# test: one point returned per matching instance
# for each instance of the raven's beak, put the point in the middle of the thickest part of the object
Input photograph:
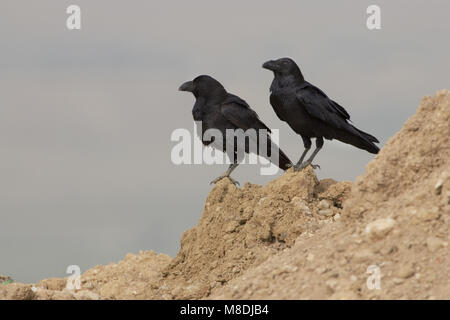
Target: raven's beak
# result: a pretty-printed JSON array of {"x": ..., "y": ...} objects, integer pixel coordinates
[
  {"x": 270, "y": 65},
  {"x": 187, "y": 86}
]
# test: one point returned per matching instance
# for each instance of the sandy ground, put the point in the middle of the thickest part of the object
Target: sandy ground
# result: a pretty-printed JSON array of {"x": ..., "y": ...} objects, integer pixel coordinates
[{"x": 384, "y": 236}]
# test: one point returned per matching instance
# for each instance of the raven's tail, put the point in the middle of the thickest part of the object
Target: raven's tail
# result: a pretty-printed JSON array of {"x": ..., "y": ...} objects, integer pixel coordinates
[
  {"x": 270, "y": 151},
  {"x": 359, "y": 139},
  {"x": 284, "y": 162},
  {"x": 367, "y": 136}
]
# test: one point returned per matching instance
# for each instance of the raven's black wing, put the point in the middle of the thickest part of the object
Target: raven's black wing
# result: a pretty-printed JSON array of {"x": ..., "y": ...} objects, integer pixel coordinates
[
  {"x": 238, "y": 112},
  {"x": 318, "y": 105}
]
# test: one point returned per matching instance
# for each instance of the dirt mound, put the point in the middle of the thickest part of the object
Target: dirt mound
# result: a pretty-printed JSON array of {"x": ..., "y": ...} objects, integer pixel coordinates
[
  {"x": 300, "y": 238},
  {"x": 241, "y": 228},
  {"x": 396, "y": 221}
]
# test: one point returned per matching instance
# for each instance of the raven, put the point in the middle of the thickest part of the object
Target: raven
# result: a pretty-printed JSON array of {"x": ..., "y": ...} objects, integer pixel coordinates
[
  {"x": 310, "y": 113},
  {"x": 218, "y": 109}
]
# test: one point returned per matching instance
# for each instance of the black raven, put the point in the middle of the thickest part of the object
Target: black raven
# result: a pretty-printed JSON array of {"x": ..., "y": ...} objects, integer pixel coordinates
[
  {"x": 218, "y": 109},
  {"x": 310, "y": 113}
]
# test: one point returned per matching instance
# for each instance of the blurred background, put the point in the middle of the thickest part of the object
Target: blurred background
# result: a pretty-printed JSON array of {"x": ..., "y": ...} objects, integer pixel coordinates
[{"x": 86, "y": 116}]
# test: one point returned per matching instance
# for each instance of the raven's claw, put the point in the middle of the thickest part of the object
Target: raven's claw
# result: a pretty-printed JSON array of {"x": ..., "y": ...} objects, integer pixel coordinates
[
  {"x": 304, "y": 165},
  {"x": 236, "y": 183}
]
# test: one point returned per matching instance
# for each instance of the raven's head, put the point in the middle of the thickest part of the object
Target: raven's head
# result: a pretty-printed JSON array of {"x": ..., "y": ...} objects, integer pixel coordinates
[
  {"x": 203, "y": 86},
  {"x": 283, "y": 66}
]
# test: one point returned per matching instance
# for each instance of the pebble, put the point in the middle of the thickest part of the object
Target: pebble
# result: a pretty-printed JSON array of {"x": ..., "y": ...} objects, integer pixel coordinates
[
  {"x": 364, "y": 255},
  {"x": 406, "y": 271},
  {"x": 332, "y": 285},
  {"x": 300, "y": 204},
  {"x": 323, "y": 204},
  {"x": 434, "y": 243},
  {"x": 440, "y": 183},
  {"x": 428, "y": 214},
  {"x": 379, "y": 229},
  {"x": 321, "y": 270},
  {"x": 326, "y": 212}
]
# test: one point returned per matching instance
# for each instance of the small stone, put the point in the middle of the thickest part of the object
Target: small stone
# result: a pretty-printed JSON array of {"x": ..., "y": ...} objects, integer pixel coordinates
[
  {"x": 305, "y": 209},
  {"x": 440, "y": 183},
  {"x": 438, "y": 187},
  {"x": 364, "y": 255},
  {"x": 332, "y": 285},
  {"x": 336, "y": 217},
  {"x": 321, "y": 270},
  {"x": 290, "y": 268},
  {"x": 300, "y": 204},
  {"x": 310, "y": 257},
  {"x": 323, "y": 204},
  {"x": 326, "y": 212},
  {"x": 378, "y": 229},
  {"x": 406, "y": 271},
  {"x": 434, "y": 243},
  {"x": 428, "y": 214}
]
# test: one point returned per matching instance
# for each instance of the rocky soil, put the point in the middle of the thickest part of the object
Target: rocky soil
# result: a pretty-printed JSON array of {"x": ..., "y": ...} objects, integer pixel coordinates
[{"x": 301, "y": 238}]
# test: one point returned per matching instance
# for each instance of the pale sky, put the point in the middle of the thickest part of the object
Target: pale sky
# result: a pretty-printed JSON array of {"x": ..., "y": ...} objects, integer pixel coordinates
[{"x": 86, "y": 115}]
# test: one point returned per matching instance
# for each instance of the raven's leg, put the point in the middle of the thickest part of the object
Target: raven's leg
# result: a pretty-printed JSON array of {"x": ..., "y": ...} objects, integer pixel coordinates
[
  {"x": 307, "y": 144},
  {"x": 226, "y": 174},
  {"x": 319, "y": 145}
]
